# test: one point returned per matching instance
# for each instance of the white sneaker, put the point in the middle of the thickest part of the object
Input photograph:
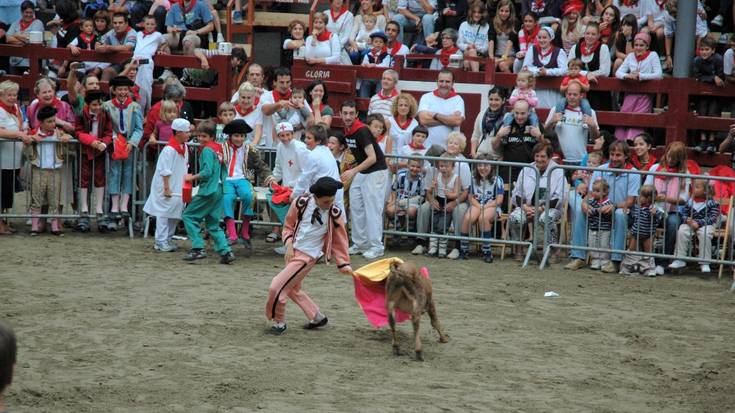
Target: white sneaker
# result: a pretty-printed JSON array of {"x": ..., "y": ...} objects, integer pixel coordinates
[
  {"x": 718, "y": 20},
  {"x": 705, "y": 268},
  {"x": 280, "y": 250},
  {"x": 675, "y": 265},
  {"x": 418, "y": 250},
  {"x": 432, "y": 251},
  {"x": 354, "y": 249},
  {"x": 659, "y": 270},
  {"x": 372, "y": 254},
  {"x": 164, "y": 247},
  {"x": 454, "y": 254}
]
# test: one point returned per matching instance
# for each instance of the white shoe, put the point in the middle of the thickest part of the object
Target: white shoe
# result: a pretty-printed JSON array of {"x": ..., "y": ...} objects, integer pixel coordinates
[
  {"x": 453, "y": 254},
  {"x": 418, "y": 250},
  {"x": 372, "y": 254},
  {"x": 166, "y": 74},
  {"x": 705, "y": 268},
  {"x": 718, "y": 20},
  {"x": 354, "y": 249},
  {"x": 675, "y": 265},
  {"x": 164, "y": 247},
  {"x": 432, "y": 251},
  {"x": 280, "y": 250},
  {"x": 659, "y": 270}
]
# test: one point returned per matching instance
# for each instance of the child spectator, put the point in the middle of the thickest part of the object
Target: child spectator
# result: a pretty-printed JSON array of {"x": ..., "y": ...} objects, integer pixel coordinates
[
  {"x": 243, "y": 165},
  {"x": 700, "y": 216},
  {"x": 147, "y": 44},
  {"x": 164, "y": 201},
  {"x": 345, "y": 160},
  {"x": 415, "y": 147},
  {"x": 599, "y": 210},
  {"x": 290, "y": 156},
  {"x": 87, "y": 40},
  {"x": 701, "y": 30},
  {"x": 162, "y": 132},
  {"x": 316, "y": 162},
  {"x": 207, "y": 203},
  {"x": 314, "y": 228},
  {"x": 46, "y": 156},
  {"x": 524, "y": 90},
  {"x": 708, "y": 68},
  {"x": 377, "y": 55},
  {"x": 247, "y": 109},
  {"x": 295, "y": 45},
  {"x": 581, "y": 177},
  {"x": 225, "y": 115},
  {"x": 574, "y": 75},
  {"x": 94, "y": 131},
  {"x": 376, "y": 123},
  {"x": 486, "y": 200},
  {"x": 445, "y": 188},
  {"x": 475, "y": 39},
  {"x": 297, "y": 113},
  {"x": 643, "y": 219},
  {"x": 407, "y": 193},
  {"x": 127, "y": 124},
  {"x": 624, "y": 40},
  {"x": 358, "y": 46}
]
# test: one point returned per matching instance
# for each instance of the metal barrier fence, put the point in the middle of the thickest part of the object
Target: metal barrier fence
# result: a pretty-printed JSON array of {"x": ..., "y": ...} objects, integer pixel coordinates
[
  {"x": 634, "y": 240},
  {"x": 431, "y": 217}
]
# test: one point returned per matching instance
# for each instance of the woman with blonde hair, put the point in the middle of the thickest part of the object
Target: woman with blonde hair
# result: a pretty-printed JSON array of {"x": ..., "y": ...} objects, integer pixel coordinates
[
  {"x": 403, "y": 119},
  {"x": 323, "y": 46},
  {"x": 505, "y": 27}
]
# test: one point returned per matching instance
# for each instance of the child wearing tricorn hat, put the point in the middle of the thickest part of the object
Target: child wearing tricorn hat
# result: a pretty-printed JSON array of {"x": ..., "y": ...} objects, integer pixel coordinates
[
  {"x": 127, "y": 123},
  {"x": 314, "y": 227},
  {"x": 46, "y": 157},
  {"x": 164, "y": 201},
  {"x": 94, "y": 131},
  {"x": 243, "y": 163}
]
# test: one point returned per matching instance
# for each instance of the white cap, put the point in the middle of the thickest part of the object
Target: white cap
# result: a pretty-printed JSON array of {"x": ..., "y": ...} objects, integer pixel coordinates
[
  {"x": 181, "y": 125},
  {"x": 284, "y": 127}
]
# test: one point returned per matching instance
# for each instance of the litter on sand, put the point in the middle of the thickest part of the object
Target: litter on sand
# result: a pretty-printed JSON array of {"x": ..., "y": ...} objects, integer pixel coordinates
[{"x": 551, "y": 294}]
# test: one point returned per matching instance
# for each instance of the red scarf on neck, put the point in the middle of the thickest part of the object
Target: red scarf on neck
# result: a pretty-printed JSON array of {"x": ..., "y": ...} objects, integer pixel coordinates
[
  {"x": 233, "y": 160},
  {"x": 642, "y": 58},
  {"x": 445, "y": 53},
  {"x": 393, "y": 93},
  {"x": 589, "y": 51},
  {"x": 277, "y": 96},
  {"x": 539, "y": 4},
  {"x": 403, "y": 125},
  {"x": 395, "y": 48},
  {"x": 355, "y": 126},
  {"x": 541, "y": 54},
  {"x": 147, "y": 33},
  {"x": 417, "y": 147},
  {"x": 122, "y": 105},
  {"x": 606, "y": 32},
  {"x": 180, "y": 148},
  {"x": 120, "y": 38},
  {"x": 380, "y": 138},
  {"x": 135, "y": 90},
  {"x": 244, "y": 112},
  {"x": 87, "y": 39},
  {"x": 637, "y": 163},
  {"x": 342, "y": 11},
  {"x": 324, "y": 36},
  {"x": 629, "y": 3},
  {"x": 13, "y": 110},
  {"x": 187, "y": 10},
  {"x": 451, "y": 94},
  {"x": 531, "y": 36},
  {"x": 377, "y": 52},
  {"x": 217, "y": 148},
  {"x": 699, "y": 198},
  {"x": 24, "y": 26}
]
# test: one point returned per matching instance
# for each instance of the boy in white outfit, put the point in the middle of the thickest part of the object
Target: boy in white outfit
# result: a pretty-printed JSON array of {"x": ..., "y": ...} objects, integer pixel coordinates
[
  {"x": 318, "y": 162},
  {"x": 148, "y": 43},
  {"x": 290, "y": 156},
  {"x": 164, "y": 201}
]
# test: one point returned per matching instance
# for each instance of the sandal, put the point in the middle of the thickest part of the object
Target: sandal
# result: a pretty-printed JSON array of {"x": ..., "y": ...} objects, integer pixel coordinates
[{"x": 272, "y": 237}]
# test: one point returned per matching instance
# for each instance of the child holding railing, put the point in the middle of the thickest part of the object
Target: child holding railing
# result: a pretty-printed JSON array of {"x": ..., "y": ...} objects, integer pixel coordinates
[
  {"x": 599, "y": 210},
  {"x": 644, "y": 217}
]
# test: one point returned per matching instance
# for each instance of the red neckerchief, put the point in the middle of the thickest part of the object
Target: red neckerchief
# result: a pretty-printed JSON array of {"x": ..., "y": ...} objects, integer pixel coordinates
[
  {"x": 217, "y": 148},
  {"x": 277, "y": 97},
  {"x": 393, "y": 93},
  {"x": 539, "y": 4},
  {"x": 146, "y": 33},
  {"x": 24, "y": 26},
  {"x": 191, "y": 6},
  {"x": 627, "y": 166},
  {"x": 602, "y": 201},
  {"x": 606, "y": 32},
  {"x": 642, "y": 58},
  {"x": 233, "y": 160},
  {"x": 699, "y": 198},
  {"x": 637, "y": 163},
  {"x": 120, "y": 39},
  {"x": 247, "y": 111},
  {"x": 541, "y": 53},
  {"x": 355, "y": 126},
  {"x": 445, "y": 53},
  {"x": 13, "y": 110},
  {"x": 531, "y": 37},
  {"x": 451, "y": 94},
  {"x": 380, "y": 138},
  {"x": 573, "y": 109},
  {"x": 124, "y": 105},
  {"x": 628, "y": 3},
  {"x": 87, "y": 40},
  {"x": 661, "y": 4},
  {"x": 136, "y": 92},
  {"x": 395, "y": 48},
  {"x": 87, "y": 113},
  {"x": 403, "y": 125},
  {"x": 66, "y": 26},
  {"x": 324, "y": 36},
  {"x": 589, "y": 51},
  {"x": 377, "y": 52},
  {"x": 417, "y": 147},
  {"x": 342, "y": 11},
  {"x": 43, "y": 134},
  {"x": 180, "y": 148}
]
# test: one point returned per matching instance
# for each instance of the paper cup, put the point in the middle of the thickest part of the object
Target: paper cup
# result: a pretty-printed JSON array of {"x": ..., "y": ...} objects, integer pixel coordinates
[
  {"x": 35, "y": 37},
  {"x": 225, "y": 48}
]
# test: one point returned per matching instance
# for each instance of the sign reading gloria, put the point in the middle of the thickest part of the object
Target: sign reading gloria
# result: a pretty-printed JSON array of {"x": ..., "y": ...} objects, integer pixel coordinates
[{"x": 317, "y": 74}]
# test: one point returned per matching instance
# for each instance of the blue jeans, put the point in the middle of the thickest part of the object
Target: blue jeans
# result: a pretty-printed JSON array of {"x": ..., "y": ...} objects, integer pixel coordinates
[
  {"x": 584, "y": 104},
  {"x": 673, "y": 221},
  {"x": 579, "y": 229},
  {"x": 508, "y": 118},
  {"x": 120, "y": 179},
  {"x": 427, "y": 25},
  {"x": 237, "y": 188}
]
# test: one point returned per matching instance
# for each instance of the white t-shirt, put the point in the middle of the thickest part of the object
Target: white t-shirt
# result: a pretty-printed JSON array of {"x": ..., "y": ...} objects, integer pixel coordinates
[
  {"x": 401, "y": 137},
  {"x": 298, "y": 53},
  {"x": 571, "y": 132},
  {"x": 252, "y": 119},
  {"x": 728, "y": 61},
  {"x": 309, "y": 238},
  {"x": 11, "y": 151},
  {"x": 433, "y": 103}
]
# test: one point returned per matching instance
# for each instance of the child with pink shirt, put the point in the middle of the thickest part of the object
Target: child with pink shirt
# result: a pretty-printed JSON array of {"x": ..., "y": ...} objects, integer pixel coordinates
[{"x": 525, "y": 83}]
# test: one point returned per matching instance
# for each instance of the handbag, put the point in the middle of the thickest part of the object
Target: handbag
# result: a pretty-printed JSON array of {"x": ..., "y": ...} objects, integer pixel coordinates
[{"x": 120, "y": 148}]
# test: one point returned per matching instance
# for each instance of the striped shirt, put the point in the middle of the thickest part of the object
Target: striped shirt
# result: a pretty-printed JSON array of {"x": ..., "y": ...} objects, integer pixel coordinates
[
  {"x": 702, "y": 212},
  {"x": 486, "y": 191},
  {"x": 643, "y": 221},
  {"x": 381, "y": 105},
  {"x": 405, "y": 187},
  {"x": 597, "y": 220}
]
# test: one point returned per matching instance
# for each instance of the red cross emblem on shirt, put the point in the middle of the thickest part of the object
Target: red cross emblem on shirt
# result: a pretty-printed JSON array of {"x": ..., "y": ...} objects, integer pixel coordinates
[
  {"x": 290, "y": 163},
  {"x": 282, "y": 128}
]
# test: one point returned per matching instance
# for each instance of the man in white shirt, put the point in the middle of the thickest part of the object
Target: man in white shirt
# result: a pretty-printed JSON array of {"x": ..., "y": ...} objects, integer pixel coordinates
[
  {"x": 382, "y": 102},
  {"x": 441, "y": 111},
  {"x": 277, "y": 99},
  {"x": 573, "y": 127}
]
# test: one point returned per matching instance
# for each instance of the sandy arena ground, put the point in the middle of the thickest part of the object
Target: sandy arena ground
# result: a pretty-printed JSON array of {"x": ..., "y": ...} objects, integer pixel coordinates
[{"x": 107, "y": 325}]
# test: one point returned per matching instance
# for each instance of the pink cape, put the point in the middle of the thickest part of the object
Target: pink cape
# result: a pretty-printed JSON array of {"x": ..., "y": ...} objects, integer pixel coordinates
[{"x": 371, "y": 298}]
